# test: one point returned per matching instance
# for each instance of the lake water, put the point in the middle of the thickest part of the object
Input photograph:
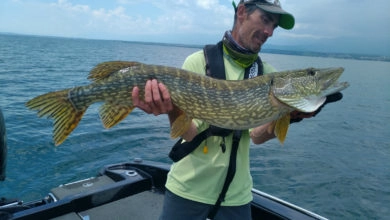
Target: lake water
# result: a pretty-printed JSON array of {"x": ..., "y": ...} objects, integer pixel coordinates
[{"x": 336, "y": 164}]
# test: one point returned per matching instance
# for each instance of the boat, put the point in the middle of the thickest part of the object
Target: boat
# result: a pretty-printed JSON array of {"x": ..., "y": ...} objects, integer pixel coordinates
[{"x": 127, "y": 190}]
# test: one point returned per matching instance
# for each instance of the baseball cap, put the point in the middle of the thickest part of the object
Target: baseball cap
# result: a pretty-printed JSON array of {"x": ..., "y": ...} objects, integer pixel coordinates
[{"x": 286, "y": 20}]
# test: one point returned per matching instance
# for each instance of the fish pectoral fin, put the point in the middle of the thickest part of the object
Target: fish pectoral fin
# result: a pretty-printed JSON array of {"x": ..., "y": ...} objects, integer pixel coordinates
[
  {"x": 105, "y": 69},
  {"x": 112, "y": 114},
  {"x": 180, "y": 125},
  {"x": 281, "y": 128}
]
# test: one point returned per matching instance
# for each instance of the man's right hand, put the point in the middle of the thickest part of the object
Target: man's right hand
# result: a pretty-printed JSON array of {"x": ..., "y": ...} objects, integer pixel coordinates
[{"x": 157, "y": 99}]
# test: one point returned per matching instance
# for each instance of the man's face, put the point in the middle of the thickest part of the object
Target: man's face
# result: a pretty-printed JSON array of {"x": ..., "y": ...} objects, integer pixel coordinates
[{"x": 253, "y": 30}]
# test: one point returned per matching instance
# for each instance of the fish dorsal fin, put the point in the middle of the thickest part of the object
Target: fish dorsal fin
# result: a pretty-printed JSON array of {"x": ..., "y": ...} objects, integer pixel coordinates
[
  {"x": 281, "y": 127},
  {"x": 105, "y": 69},
  {"x": 180, "y": 125}
]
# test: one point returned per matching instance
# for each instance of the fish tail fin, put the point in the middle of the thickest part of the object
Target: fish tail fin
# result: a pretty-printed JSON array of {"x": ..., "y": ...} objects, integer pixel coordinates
[
  {"x": 58, "y": 106},
  {"x": 112, "y": 114},
  {"x": 281, "y": 128}
]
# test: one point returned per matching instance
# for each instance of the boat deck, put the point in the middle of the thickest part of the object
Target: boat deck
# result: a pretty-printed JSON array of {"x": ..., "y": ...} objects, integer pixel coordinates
[
  {"x": 145, "y": 205},
  {"x": 132, "y": 190}
]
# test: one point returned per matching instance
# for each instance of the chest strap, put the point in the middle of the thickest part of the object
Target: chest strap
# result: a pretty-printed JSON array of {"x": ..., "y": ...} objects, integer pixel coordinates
[
  {"x": 229, "y": 176},
  {"x": 182, "y": 149}
]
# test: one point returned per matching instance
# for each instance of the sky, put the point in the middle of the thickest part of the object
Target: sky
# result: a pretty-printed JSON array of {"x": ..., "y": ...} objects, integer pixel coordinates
[{"x": 341, "y": 26}]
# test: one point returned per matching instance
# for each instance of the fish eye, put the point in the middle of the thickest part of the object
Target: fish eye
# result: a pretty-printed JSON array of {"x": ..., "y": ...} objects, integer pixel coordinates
[{"x": 311, "y": 72}]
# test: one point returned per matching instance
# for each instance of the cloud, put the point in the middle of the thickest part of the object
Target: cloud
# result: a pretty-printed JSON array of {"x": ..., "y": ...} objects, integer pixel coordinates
[
  {"x": 164, "y": 17},
  {"x": 344, "y": 18},
  {"x": 196, "y": 22},
  {"x": 64, "y": 4},
  {"x": 205, "y": 4},
  {"x": 120, "y": 18}
]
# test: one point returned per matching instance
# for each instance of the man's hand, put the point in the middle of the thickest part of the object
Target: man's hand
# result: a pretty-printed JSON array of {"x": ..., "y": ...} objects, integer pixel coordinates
[
  {"x": 263, "y": 133},
  {"x": 297, "y": 116},
  {"x": 157, "y": 99}
]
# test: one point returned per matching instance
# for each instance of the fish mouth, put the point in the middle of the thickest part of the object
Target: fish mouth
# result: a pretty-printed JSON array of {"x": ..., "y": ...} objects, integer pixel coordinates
[{"x": 329, "y": 76}]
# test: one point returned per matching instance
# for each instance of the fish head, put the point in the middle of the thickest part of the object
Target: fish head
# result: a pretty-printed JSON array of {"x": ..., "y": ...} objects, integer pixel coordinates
[{"x": 306, "y": 90}]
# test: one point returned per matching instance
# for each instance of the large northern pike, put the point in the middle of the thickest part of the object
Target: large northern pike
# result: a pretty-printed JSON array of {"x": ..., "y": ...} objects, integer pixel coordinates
[{"x": 240, "y": 104}]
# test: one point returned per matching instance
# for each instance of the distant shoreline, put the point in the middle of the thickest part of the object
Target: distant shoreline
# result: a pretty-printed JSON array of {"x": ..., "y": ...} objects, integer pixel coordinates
[
  {"x": 330, "y": 55},
  {"x": 265, "y": 50}
]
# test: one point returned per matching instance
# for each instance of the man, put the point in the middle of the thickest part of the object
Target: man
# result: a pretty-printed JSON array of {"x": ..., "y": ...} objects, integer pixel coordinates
[{"x": 195, "y": 182}]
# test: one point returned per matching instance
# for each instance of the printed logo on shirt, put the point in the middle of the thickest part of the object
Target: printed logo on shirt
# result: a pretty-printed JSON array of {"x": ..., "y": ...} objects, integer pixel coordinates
[{"x": 253, "y": 70}]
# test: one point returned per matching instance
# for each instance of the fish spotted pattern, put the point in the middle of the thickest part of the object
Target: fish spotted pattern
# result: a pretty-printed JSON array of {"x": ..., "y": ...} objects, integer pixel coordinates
[{"x": 233, "y": 104}]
